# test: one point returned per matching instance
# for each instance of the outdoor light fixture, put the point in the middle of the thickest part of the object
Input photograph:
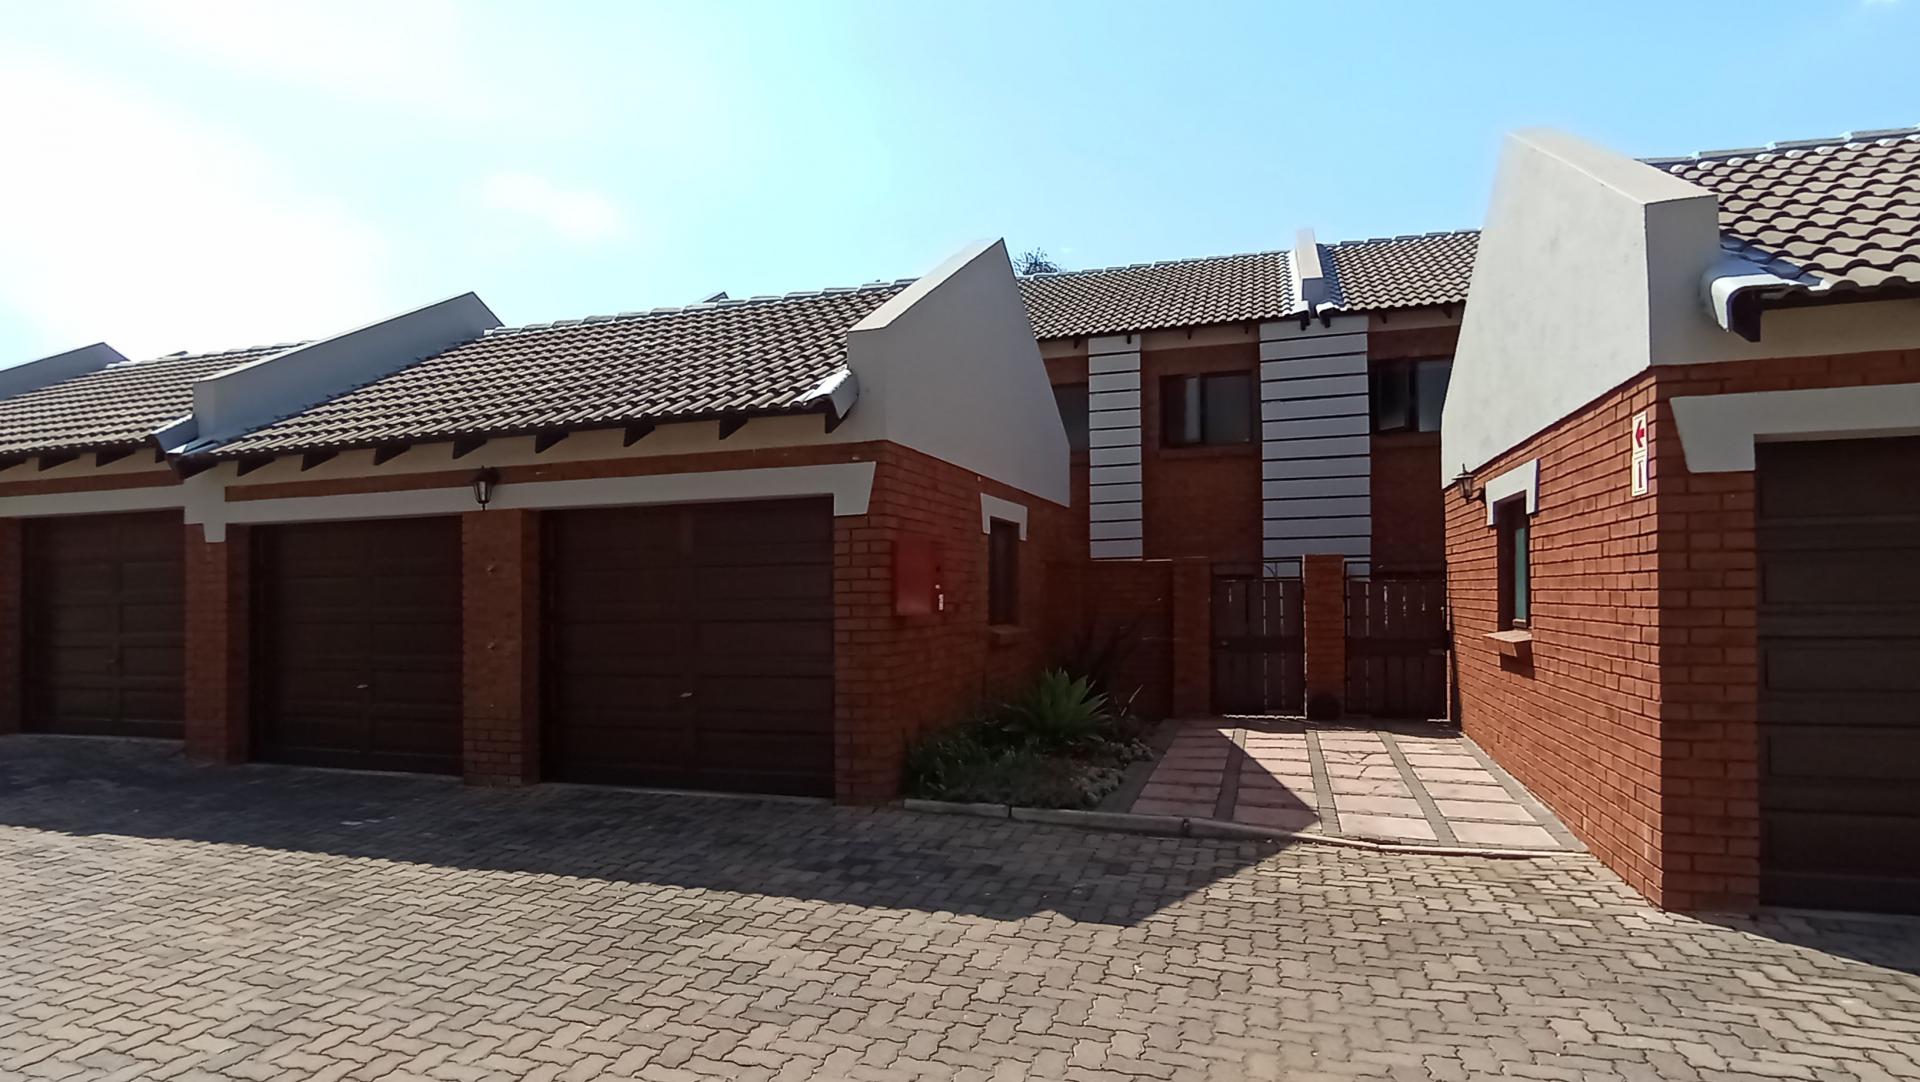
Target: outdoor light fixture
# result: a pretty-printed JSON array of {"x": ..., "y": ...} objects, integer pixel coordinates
[
  {"x": 483, "y": 483},
  {"x": 1465, "y": 480}
]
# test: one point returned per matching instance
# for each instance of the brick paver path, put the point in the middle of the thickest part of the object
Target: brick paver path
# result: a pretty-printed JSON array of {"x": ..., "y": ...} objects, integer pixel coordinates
[
  {"x": 1412, "y": 783},
  {"x": 160, "y": 921}
]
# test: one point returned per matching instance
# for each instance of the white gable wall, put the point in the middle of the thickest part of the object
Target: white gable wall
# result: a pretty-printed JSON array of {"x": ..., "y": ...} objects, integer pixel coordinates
[
  {"x": 949, "y": 367},
  {"x": 1561, "y": 306},
  {"x": 1590, "y": 269}
]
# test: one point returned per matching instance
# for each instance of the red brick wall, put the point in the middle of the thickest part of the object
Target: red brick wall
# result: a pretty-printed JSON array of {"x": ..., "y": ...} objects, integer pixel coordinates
[
  {"x": 500, "y": 670},
  {"x": 1578, "y": 722},
  {"x": 899, "y": 677},
  {"x": 1198, "y": 501},
  {"x": 1636, "y": 716},
  {"x": 1072, "y": 368},
  {"x": 1409, "y": 516},
  {"x": 1409, "y": 511},
  {"x": 1132, "y": 600},
  {"x": 218, "y": 646}
]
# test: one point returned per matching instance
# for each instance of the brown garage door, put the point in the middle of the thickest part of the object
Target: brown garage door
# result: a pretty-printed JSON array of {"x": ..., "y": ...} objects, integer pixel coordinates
[
  {"x": 692, "y": 647},
  {"x": 1840, "y": 674},
  {"x": 357, "y": 644},
  {"x": 105, "y": 625}
]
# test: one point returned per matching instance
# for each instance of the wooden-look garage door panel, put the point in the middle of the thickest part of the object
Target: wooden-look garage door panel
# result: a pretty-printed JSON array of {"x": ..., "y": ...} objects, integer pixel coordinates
[
  {"x": 105, "y": 624},
  {"x": 1839, "y": 623},
  {"x": 358, "y": 644},
  {"x": 692, "y": 646}
]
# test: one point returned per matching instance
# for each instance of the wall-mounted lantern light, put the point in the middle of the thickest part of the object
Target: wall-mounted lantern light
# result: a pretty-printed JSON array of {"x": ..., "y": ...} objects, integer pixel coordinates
[
  {"x": 483, "y": 483},
  {"x": 1465, "y": 480}
]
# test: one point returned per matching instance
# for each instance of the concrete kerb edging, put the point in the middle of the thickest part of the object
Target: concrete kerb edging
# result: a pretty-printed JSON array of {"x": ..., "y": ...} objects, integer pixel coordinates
[{"x": 1194, "y": 827}]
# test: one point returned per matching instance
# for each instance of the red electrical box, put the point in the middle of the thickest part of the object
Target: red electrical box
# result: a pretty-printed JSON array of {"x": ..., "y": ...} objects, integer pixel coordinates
[{"x": 916, "y": 577}]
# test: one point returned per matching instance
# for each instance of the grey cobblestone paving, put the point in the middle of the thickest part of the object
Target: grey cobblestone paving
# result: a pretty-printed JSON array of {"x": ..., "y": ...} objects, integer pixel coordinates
[{"x": 164, "y": 921}]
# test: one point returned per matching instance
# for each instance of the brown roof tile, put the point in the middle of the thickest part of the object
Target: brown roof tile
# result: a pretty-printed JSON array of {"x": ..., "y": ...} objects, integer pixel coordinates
[
  {"x": 1401, "y": 272},
  {"x": 1844, "y": 211},
  {"x": 748, "y": 356},
  {"x": 118, "y": 406},
  {"x": 1151, "y": 296}
]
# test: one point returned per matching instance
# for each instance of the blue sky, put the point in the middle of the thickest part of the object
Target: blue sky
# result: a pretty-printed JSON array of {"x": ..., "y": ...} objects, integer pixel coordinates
[{"x": 200, "y": 175}]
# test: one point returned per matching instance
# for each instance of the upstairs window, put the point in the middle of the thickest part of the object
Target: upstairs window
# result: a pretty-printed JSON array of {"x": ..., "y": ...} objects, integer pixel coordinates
[
  {"x": 1515, "y": 561},
  {"x": 1408, "y": 395},
  {"x": 1003, "y": 573},
  {"x": 1206, "y": 411},
  {"x": 1071, "y": 398}
]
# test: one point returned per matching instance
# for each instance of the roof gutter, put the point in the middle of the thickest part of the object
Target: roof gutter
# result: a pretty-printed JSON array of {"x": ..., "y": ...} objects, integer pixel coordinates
[{"x": 1737, "y": 291}]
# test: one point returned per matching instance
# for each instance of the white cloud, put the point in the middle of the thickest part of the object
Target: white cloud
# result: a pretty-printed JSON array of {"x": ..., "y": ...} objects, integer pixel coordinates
[
  {"x": 411, "y": 53},
  {"x": 125, "y": 221},
  {"x": 577, "y": 214}
]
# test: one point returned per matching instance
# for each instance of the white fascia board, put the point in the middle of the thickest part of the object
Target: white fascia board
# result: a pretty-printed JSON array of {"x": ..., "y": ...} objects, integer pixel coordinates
[
  {"x": 849, "y": 484},
  {"x": 47, "y": 371},
  {"x": 1717, "y": 432},
  {"x": 1522, "y": 480},
  {"x": 247, "y": 396},
  {"x": 101, "y": 502},
  {"x": 993, "y": 507}
]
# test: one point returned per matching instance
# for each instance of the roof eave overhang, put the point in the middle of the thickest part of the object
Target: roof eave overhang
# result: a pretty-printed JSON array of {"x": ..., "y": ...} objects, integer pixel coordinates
[{"x": 833, "y": 398}]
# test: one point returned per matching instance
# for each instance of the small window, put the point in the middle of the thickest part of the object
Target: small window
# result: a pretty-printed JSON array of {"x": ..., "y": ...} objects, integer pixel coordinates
[
  {"x": 1003, "y": 573},
  {"x": 1072, "y": 400},
  {"x": 1212, "y": 410},
  {"x": 1513, "y": 529},
  {"x": 1408, "y": 395}
]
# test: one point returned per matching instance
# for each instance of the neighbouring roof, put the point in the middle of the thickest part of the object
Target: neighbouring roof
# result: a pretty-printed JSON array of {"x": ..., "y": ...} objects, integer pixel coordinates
[
  {"x": 1152, "y": 296},
  {"x": 117, "y": 406},
  {"x": 759, "y": 355},
  {"x": 1363, "y": 275},
  {"x": 1400, "y": 272},
  {"x": 1841, "y": 212}
]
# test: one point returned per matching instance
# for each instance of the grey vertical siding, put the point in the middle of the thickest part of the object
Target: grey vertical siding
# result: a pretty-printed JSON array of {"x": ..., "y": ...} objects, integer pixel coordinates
[
  {"x": 1113, "y": 448},
  {"x": 1315, "y": 439}
]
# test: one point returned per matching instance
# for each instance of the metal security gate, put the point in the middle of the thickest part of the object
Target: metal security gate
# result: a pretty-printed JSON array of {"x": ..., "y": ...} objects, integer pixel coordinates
[
  {"x": 1259, "y": 651},
  {"x": 1397, "y": 648}
]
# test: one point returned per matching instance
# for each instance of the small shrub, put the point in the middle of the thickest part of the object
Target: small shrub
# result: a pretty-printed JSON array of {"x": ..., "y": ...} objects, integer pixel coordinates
[
  {"x": 969, "y": 763},
  {"x": 1060, "y": 713}
]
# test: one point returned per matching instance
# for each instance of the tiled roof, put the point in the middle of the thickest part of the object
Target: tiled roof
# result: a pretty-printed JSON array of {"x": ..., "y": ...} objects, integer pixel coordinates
[
  {"x": 1843, "y": 211},
  {"x": 757, "y": 355},
  {"x": 1150, "y": 296},
  {"x": 1400, "y": 272},
  {"x": 118, "y": 406}
]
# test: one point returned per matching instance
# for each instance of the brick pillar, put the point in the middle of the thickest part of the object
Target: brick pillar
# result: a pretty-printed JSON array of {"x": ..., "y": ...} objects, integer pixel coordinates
[
  {"x": 500, "y": 666},
  {"x": 1324, "y": 589},
  {"x": 1192, "y": 637},
  {"x": 218, "y": 646},
  {"x": 12, "y": 625}
]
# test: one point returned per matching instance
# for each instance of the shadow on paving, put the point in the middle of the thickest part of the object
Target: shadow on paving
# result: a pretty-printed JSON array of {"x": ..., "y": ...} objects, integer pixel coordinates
[
  {"x": 863, "y": 857},
  {"x": 1890, "y": 942}
]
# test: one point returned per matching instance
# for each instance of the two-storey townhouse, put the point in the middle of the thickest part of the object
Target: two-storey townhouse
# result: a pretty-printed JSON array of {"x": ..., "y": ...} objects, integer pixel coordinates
[{"x": 1235, "y": 419}]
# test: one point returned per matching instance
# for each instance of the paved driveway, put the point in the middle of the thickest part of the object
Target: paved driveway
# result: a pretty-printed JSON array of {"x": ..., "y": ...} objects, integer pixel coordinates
[
  {"x": 1407, "y": 783},
  {"x": 162, "y": 921}
]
